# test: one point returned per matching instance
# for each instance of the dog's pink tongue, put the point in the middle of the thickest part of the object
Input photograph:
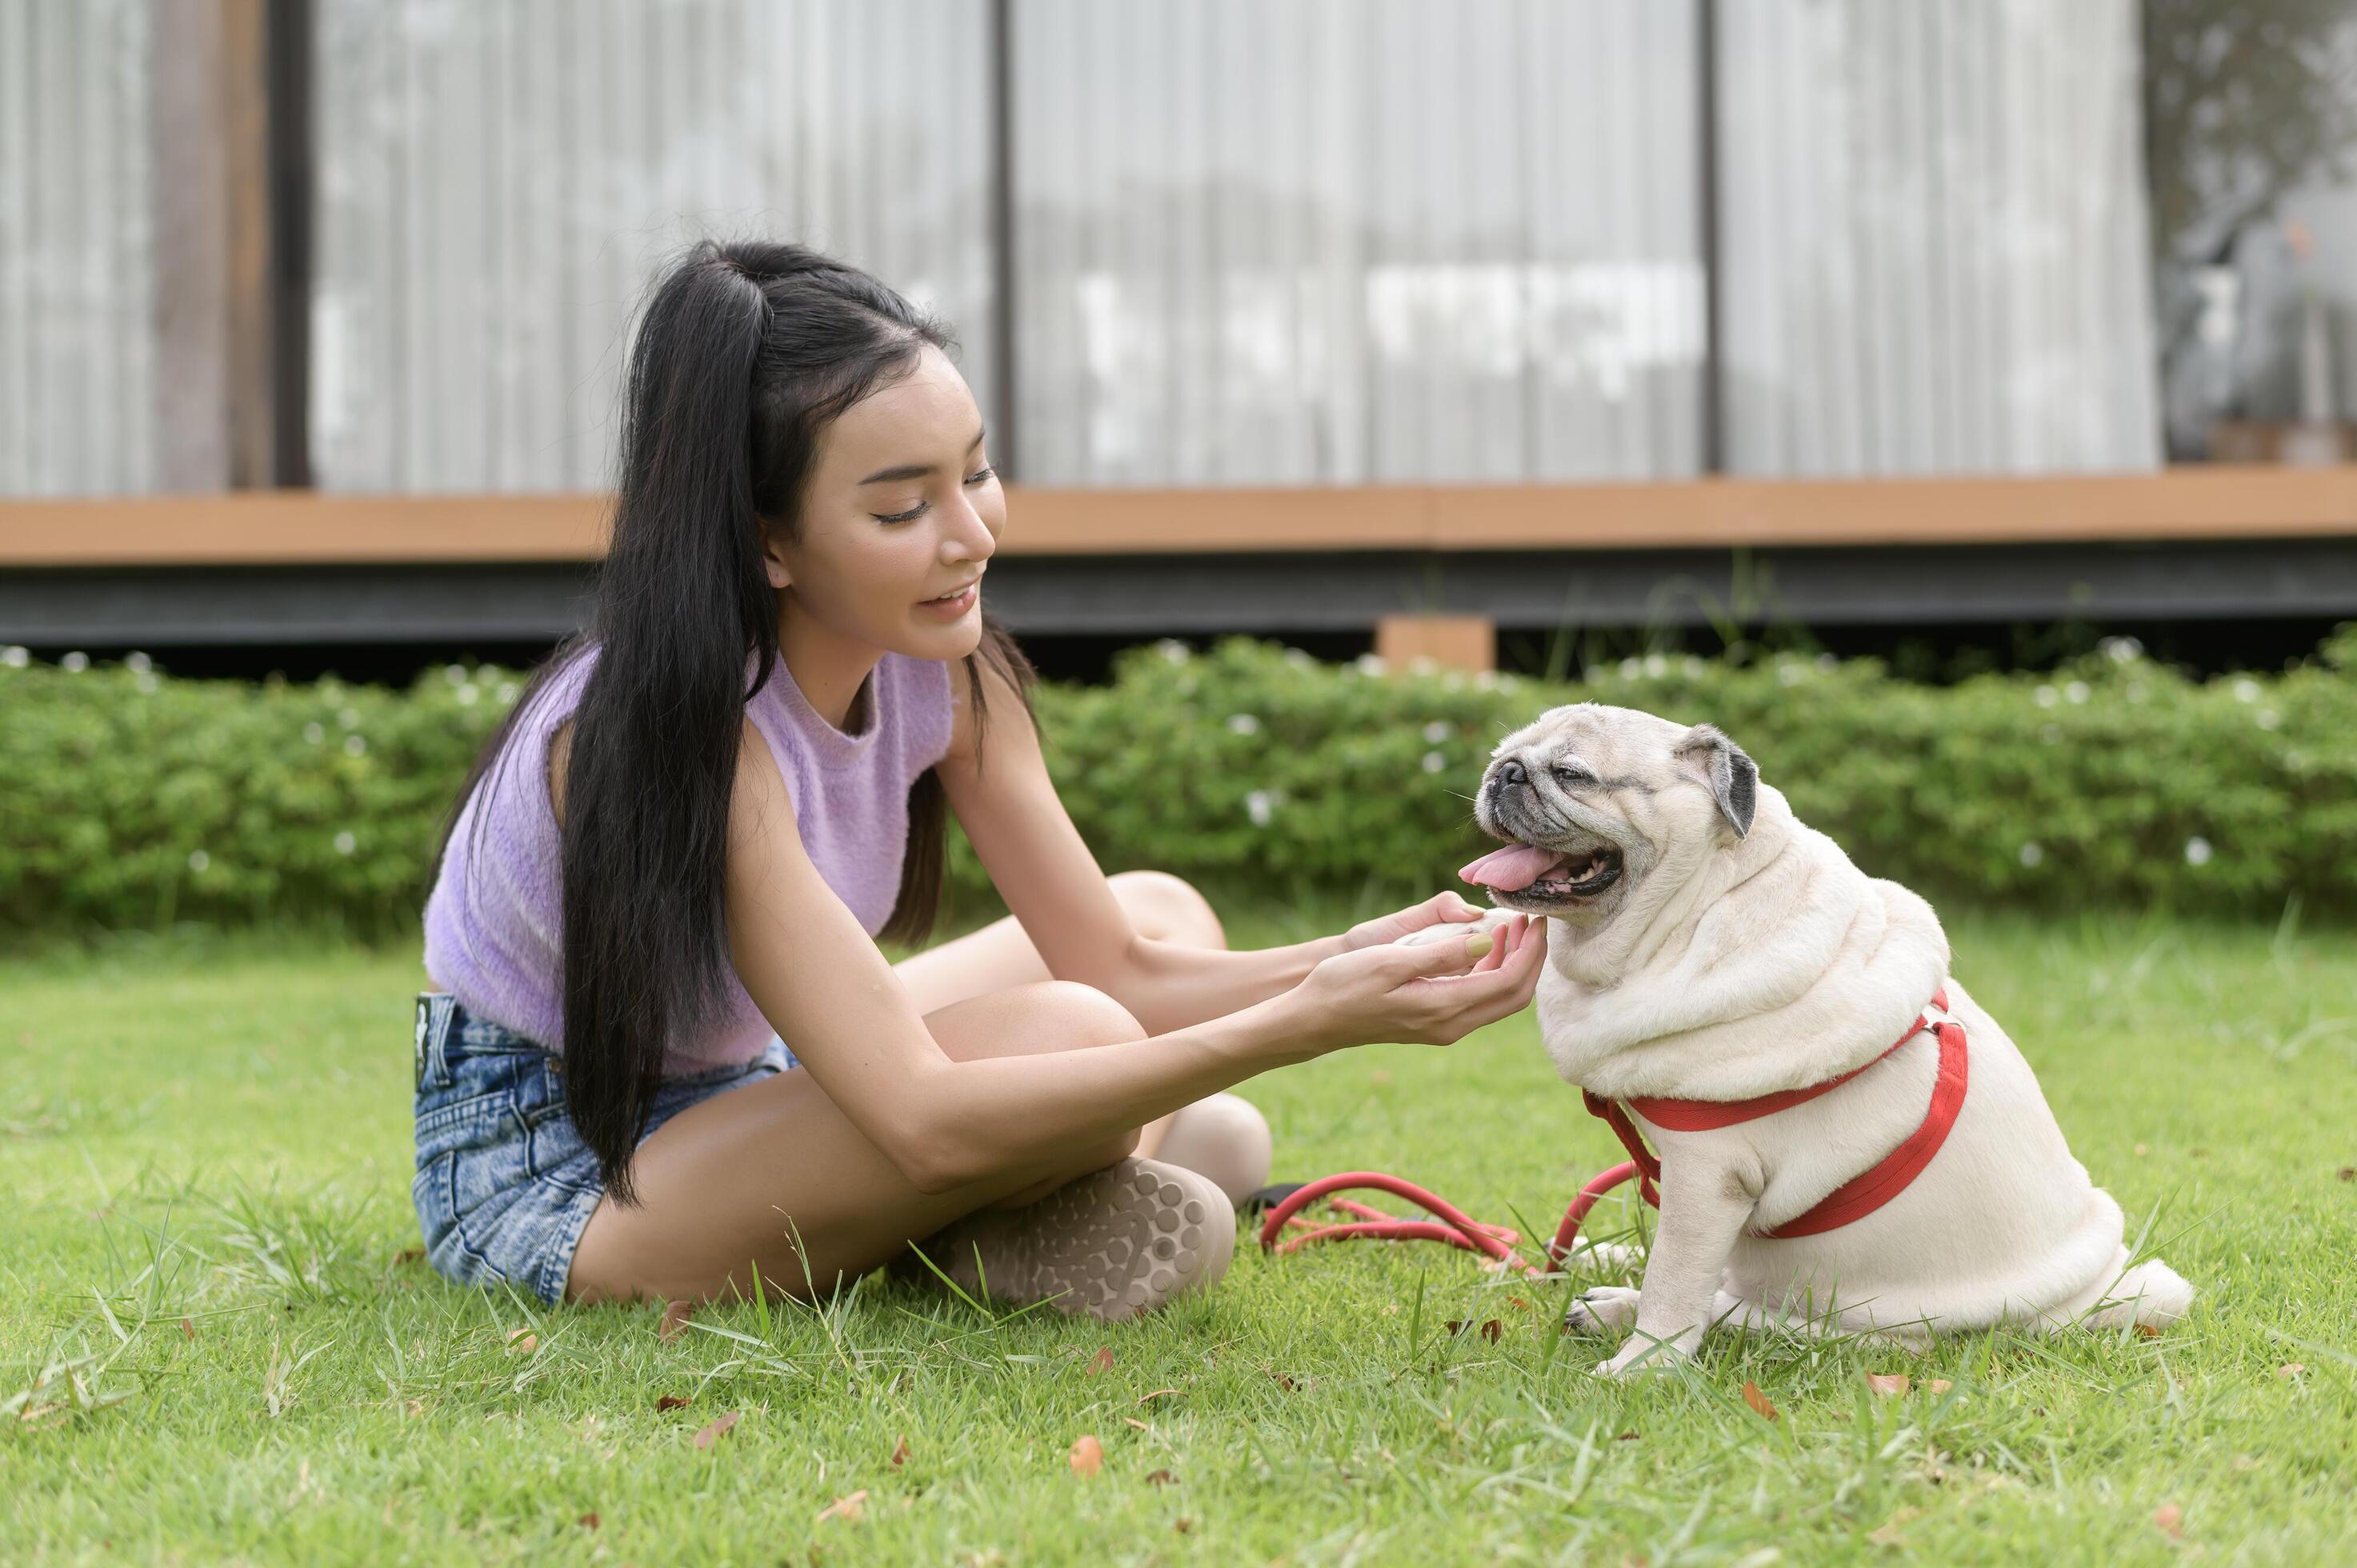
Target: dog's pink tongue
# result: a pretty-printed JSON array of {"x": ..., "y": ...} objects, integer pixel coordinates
[{"x": 1512, "y": 868}]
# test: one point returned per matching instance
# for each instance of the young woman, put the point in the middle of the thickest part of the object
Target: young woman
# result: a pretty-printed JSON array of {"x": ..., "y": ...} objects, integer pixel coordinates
[{"x": 664, "y": 1050}]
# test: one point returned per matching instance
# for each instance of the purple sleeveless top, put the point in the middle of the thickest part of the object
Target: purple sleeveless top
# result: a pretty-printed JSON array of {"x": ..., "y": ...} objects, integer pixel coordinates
[{"x": 494, "y": 922}]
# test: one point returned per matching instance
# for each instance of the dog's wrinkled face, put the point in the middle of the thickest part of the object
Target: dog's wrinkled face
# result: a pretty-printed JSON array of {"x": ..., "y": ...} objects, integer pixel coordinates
[{"x": 1595, "y": 802}]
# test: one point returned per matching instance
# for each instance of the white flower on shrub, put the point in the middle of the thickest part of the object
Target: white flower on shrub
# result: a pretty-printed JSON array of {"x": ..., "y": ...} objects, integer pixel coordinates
[
  {"x": 468, "y": 695},
  {"x": 1369, "y": 664},
  {"x": 1827, "y": 662},
  {"x": 1695, "y": 668},
  {"x": 1436, "y": 732},
  {"x": 2197, "y": 850},
  {"x": 2247, "y": 690},
  {"x": 145, "y": 682},
  {"x": 354, "y": 746},
  {"x": 1244, "y": 724},
  {"x": 2046, "y": 696},
  {"x": 1422, "y": 664},
  {"x": 74, "y": 663},
  {"x": 1792, "y": 674},
  {"x": 1299, "y": 658},
  {"x": 2031, "y": 853},
  {"x": 16, "y": 658},
  {"x": 455, "y": 673},
  {"x": 2122, "y": 649},
  {"x": 1631, "y": 668},
  {"x": 199, "y": 860},
  {"x": 313, "y": 734},
  {"x": 1508, "y": 682},
  {"x": 350, "y": 718},
  {"x": 1171, "y": 649},
  {"x": 1656, "y": 666},
  {"x": 2076, "y": 691},
  {"x": 2268, "y": 718},
  {"x": 507, "y": 692},
  {"x": 1454, "y": 681},
  {"x": 1485, "y": 680},
  {"x": 137, "y": 662},
  {"x": 346, "y": 843},
  {"x": 1433, "y": 762},
  {"x": 1258, "y": 807}
]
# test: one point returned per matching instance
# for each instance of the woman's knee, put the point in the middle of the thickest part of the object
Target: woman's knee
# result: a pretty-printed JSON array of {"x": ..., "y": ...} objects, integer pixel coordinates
[
  {"x": 1043, "y": 1016},
  {"x": 1169, "y": 908}
]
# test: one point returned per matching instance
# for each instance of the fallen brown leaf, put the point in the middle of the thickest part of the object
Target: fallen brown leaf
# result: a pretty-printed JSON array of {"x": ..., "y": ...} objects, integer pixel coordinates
[
  {"x": 851, "y": 1510},
  {"x": 410, "y": 1255},
  {"x": 673, "y": 1401},
  {"x": 1380, "y": 1077},
  {"x": 589, "y": 1520},
  {"x": 1890, "y": 1385},
  {"x": 1491, "y": 1328},
  {"x": 1518, "y": 1303},
  {"x": 675, "y": 1319},
  {"x": 523, "y": 1342},
  {"x": 1759, "y": 1401},
  {"x": 1938, "y": 1385},
  {"x": 1183, "y": 1525},
  {"x": 718, "y": 1429},
  {"x": 2147, "y": 1331},
  {"x": 187, "y": 1329},
  {"x": 2348, "y": 1172},
  {"x": 1087, "y": 1457},
  {"x": 1102, "y": 1362},
  {"x": 2291, "y": 1370},
  {"x": 1626, "y": 1437},
  {"x": 1283, "y": 1382},
  {"x": 2141, "y": 1151},
  {"x": 1133, "y": 1421},
  {"x": 2170, "y": 1518},
  {"x": 1159, "y": 1478},
  {"x": 1159, "y": 1394},
  {"x": 899, "y": 1452}
]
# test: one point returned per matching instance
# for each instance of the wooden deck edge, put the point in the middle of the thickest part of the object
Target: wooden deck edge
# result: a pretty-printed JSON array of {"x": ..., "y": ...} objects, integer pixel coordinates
[{"x": 320, "y": 527}]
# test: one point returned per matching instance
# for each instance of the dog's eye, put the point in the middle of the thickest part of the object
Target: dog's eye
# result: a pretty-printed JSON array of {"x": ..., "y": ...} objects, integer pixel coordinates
[{"x": 1570, "y": 773}]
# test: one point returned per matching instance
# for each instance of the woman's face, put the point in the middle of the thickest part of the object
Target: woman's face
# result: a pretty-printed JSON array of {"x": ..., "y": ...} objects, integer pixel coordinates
[{"x": 902, "y": 511}]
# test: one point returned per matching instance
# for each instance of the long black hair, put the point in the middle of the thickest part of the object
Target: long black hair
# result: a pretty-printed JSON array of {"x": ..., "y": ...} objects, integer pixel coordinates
[{"x": 744, "y": 352}]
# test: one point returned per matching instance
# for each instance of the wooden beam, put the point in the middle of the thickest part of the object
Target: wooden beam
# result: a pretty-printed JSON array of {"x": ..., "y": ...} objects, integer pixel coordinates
[
  {"x": 304, "y": 527},
  {"x": 1455, "y": 642},
  {"x": 219, "y": 299}
]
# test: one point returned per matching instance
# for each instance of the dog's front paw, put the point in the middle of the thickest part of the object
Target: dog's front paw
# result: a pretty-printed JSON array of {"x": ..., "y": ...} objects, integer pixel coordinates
[
  {"x": 1641, "y": 1355},
  {"x": 1604, "y": 1309}
]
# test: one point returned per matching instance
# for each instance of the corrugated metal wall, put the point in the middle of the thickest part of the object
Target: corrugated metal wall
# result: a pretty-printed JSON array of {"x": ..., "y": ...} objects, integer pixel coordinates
[
  {"x": 1342, "y": 240},
  {"x": 1934, "y": 253},
  {"x": 77, "y": 276},
  {"x": 497, "y": 180},
  {"x": 1258, "y": 240}
]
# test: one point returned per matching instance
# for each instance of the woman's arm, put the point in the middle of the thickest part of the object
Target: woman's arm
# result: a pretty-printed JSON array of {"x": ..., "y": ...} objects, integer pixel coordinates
[
  {"x": 826, "y": 988},
  {"x": 1008, "y": 805}
]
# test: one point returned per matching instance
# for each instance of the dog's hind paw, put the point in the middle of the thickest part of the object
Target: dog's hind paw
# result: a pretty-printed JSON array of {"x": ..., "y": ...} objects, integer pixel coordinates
[{"x": 1604, "y": 1309}]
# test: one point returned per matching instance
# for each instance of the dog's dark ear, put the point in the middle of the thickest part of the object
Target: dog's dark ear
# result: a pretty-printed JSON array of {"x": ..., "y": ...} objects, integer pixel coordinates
[{"x": 1733, "y": 777}]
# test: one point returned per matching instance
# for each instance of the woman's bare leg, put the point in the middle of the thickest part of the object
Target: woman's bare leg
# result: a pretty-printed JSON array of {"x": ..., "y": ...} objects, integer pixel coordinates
[
  {"x": 730, "y": 1182},
  {"x": 1159, "y": 905}
]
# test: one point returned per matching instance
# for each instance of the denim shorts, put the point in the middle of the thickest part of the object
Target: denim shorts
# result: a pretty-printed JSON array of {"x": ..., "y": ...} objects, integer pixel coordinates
[{"x": 504, "y": 1185}]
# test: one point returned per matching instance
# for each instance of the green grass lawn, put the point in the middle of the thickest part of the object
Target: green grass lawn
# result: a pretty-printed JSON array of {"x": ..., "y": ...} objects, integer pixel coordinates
[{"x": 206, "y": 1148}]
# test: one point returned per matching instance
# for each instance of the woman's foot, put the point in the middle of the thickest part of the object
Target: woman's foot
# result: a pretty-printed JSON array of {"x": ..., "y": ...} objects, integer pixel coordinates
[
  {"x": 1223, "y": 1136},
  {"x": 1114, "y": 1245}
]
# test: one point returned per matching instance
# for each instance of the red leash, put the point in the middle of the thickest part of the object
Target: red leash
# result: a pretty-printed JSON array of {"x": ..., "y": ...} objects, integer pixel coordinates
[{"x": 1853, "y": 1200}]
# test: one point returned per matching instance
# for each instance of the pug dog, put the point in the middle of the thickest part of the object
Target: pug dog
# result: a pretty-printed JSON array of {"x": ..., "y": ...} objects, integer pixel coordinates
[{"x": 1706, "y": 945}]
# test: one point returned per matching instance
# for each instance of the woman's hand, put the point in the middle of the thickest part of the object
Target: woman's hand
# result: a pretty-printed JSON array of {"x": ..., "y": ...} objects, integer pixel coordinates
[
  {"x": 1441, "y": 908},
  {"x": 1433, "y": 994}
]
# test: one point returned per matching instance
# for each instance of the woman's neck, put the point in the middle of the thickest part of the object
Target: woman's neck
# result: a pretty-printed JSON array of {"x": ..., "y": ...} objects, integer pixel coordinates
[{"x": 827, "y": 669}]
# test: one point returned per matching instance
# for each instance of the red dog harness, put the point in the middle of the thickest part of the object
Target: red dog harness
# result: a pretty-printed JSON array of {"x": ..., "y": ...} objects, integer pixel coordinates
[{"x": 1853, "y": 1200}]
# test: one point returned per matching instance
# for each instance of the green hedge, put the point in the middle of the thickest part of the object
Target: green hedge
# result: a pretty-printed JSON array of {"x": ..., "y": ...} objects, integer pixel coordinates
[{"x": 132, "y": 800}]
